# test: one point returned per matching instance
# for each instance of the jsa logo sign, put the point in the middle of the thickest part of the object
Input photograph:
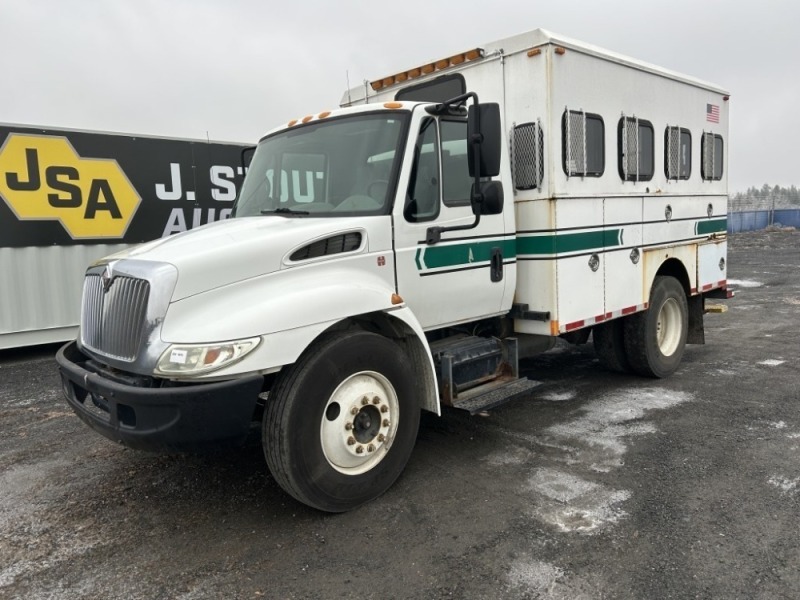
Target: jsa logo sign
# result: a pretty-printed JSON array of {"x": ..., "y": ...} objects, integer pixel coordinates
[{"x": 43, "y": 178}]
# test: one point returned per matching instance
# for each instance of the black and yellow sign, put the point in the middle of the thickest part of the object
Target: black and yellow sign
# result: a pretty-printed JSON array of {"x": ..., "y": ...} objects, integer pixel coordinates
[{"x": 73, "y": 187}]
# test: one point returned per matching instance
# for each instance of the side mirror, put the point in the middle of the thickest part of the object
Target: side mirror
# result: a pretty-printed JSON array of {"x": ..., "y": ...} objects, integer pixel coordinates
[
  {"x": 487, "y": 198},
  {"x": 483, "y": 129}
]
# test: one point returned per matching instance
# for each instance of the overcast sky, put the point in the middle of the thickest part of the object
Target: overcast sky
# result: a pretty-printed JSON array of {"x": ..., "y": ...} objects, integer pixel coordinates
[{"x": 236, "y": 68}]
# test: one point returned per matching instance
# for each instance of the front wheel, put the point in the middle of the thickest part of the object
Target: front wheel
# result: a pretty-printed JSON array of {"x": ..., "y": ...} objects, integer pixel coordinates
[
  {"x": 656, "y": 338},
  {"x": 340, "y": 424}
]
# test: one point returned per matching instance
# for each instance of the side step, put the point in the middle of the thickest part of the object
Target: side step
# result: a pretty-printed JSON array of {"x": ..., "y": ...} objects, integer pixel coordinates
[{"x": 493, "y": 394}]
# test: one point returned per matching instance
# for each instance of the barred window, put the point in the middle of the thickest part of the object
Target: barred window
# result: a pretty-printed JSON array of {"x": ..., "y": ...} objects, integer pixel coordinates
[
  {"x": 527, "y": 155},
  {"x": 711, "y": 152},
  {"x": 636, "y": 149},
  {"x": 677, "y": 153},
  {"x": 583, "y": 144}
]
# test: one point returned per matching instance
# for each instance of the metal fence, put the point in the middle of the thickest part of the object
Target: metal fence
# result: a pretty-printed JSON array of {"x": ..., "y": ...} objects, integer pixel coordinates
[{"x": 752, "y": 220}]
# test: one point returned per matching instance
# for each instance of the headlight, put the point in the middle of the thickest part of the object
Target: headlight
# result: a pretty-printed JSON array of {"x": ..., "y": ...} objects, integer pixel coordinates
[{"x": 193, "y": 359}]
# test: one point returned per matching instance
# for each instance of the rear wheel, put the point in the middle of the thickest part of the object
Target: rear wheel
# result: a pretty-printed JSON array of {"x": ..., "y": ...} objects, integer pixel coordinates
[
  {"x": 609, "y": 345},
  {"x": 340, "y": 424},
  {"x": 656, "y": 338}
]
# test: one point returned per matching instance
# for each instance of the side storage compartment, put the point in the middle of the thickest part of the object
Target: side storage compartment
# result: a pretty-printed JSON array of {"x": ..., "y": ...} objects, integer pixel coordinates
[{"x": 712, "y": 265}]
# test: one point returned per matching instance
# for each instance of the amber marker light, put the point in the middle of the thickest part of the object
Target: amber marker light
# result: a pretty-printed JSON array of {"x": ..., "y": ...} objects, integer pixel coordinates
[
  {"x": 534, "y": 52},
  {"x": 392, "y": 105},
  {"x": 307, "y": 118},
  {"x": 322, "y": 115},
  {"x": 438, "y": 65},
  {"x": 397, "y": 299},
  {"x": 553, "y": 327},
  {"x": 292, "y": 123},
  {"x": 560, "y": 50}
]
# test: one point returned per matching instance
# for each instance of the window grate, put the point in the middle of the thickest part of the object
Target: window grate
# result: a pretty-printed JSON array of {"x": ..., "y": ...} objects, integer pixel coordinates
[
  {"x": 527, "y": 155},
  {"x": 630, "y": 148},
  {"x": 673, "y": 153},
  {"x": 576, "y": 143}
]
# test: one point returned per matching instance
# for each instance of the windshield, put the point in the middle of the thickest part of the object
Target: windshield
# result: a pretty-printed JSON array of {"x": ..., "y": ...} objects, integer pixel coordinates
[{"x": 341, "y": 167}]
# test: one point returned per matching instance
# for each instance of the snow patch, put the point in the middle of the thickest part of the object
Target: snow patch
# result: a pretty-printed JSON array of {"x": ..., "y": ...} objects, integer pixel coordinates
[
  {"x": 574, "y": 504},
  {"x": 608, "y": 421},
  {"x": 778, "y": 425},
  {"x": 771, "y": 362},
  {"x": 784, "y": 483},
  {"x": 533, "y": 576},
  {"x": 559, "y": 396},
  {"x": 745, "y": 283},
  {"x": 512, "y": 456}
]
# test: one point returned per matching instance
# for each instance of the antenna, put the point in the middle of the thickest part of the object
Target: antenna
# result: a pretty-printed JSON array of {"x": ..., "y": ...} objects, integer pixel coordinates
[
  {"x": 347, "y": 76},
  {"x": 208, "y": 140}
]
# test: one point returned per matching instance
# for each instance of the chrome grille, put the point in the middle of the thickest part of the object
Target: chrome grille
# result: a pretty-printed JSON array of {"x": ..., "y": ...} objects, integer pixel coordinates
[{"x": 113, "y": 321}]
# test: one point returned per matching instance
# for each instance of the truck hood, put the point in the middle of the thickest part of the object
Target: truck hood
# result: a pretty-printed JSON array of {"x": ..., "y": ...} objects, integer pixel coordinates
[{"x": 225, "y": 252}]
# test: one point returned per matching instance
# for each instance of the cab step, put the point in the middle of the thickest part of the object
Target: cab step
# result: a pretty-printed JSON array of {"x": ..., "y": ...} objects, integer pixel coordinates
[
  {"x": 492, "y": 394},
  {"x": 478, "y": 373}
]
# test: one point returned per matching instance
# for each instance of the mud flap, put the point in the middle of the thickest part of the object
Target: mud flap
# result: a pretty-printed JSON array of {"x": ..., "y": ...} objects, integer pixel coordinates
[{"x": 696, "y": 333}]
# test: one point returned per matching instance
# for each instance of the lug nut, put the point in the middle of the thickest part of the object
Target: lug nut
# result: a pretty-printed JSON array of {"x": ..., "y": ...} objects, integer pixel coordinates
[
  {"x": 384, "y": 408},
  {"x": 364, "y": 401},
  {"x": 376, "y": 400},
  {"x": 348, "y": 426},
  {"x": 386, "y": 422},
  {"x": 354, "y": 410},
  {"x": 351, "y": 440},
  {"x": 360, "y": 450},
  {"x": 371, "y": 448},
  {"x": 381, "y": 437}
]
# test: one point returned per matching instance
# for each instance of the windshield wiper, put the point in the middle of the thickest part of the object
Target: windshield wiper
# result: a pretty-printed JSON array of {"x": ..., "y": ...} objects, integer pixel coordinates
[{"x": 283, "y": 211}]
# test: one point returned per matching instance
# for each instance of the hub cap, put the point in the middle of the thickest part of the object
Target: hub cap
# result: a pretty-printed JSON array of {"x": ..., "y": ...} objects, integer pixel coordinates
[
  {"x": 668, "y": 327},
  {"x": 359, "y": 423}
]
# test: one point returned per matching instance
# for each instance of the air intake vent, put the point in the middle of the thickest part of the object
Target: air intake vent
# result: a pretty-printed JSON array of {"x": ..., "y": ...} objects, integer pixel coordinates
[{"x": 333, "y": 245}]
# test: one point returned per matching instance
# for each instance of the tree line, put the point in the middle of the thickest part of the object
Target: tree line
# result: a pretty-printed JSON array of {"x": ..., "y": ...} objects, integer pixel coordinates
[{"x": 765, "y": 197}]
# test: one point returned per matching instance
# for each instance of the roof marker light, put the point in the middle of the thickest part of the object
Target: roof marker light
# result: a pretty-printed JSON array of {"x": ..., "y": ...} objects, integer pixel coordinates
[
  {"x": 307, "y": 118},
  {"x": 322, "y": 115},
  {"x": 560, "y": 50},
  {"x": 292, "y": 123},
  {"x": 425, "y": 69},
  {"x": 392, "y": 105},
  {"x": 534, "y": 52}
]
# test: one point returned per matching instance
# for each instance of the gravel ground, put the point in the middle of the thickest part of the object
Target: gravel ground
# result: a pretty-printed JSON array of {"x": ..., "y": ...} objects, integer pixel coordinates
[{"x": 595, "y": 486}]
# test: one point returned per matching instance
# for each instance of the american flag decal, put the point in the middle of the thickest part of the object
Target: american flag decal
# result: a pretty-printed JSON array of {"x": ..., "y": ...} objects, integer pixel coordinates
[{"x": 712, "y": 113}]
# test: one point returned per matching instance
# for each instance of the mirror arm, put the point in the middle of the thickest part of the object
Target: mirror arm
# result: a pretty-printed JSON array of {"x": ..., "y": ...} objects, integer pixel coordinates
[{"x": 434, "y": 234}]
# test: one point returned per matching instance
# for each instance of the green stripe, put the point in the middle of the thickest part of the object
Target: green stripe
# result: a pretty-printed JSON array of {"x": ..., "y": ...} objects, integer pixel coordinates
[
  {"x": 435, "y": 257},
  {"x": 569, "y": 242},
  {"x": 712, "y": 226}
]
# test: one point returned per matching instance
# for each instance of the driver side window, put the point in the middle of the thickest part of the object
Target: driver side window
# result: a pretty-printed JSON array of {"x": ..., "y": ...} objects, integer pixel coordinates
[{"x": 422, "y": 197}]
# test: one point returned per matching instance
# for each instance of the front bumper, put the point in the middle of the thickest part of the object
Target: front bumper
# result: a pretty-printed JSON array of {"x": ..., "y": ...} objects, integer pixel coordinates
[{"x": 179, "y": 418}]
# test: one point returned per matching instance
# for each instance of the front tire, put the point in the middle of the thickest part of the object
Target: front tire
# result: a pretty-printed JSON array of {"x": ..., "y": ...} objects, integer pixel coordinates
[
  {"x": 340, "y": 424},
  {"x": 656, "y": 338}
]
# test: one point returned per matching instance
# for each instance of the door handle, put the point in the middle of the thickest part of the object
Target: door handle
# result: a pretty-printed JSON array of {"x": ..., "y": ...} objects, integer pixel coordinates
[{"x": 497, "y": 264}]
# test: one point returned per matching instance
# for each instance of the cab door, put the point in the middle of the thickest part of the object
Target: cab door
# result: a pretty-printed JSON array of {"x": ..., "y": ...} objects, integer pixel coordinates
[{"x": 466, "y": 275}]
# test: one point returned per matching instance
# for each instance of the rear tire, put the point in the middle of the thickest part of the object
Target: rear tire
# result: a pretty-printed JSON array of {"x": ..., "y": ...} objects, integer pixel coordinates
[
  {"x": 340, "y": 424},
  {"x": 609, "y": 345},
  {"x": 656, "y": 338}
]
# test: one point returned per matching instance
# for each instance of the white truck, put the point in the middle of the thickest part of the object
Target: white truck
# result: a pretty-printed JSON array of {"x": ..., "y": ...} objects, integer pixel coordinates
[{"x": 403, "y": 252}]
